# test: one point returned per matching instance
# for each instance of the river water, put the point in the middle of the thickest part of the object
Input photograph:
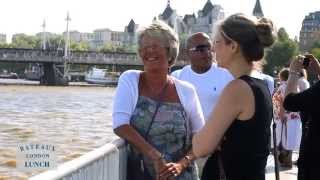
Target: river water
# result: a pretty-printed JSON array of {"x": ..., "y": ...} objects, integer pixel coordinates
[{"x": 74, "y": 119}]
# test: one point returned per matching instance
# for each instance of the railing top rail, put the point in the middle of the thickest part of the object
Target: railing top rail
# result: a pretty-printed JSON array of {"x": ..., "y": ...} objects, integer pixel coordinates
[{"x": 69, "y": 167}]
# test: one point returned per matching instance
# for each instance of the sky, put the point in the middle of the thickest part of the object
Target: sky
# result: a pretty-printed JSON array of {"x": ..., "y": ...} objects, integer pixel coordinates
[{"x": 27, "y": 16}]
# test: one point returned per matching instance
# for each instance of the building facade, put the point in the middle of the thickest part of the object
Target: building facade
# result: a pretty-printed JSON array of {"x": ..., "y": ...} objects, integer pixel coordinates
[
  {"x": 101, "y": 37},
  {"x": 131, "y": 33},
  {"x": 257, "y": 10},
  {"x": 190, "y": 23},
  {"x": 310, "y": 31}
]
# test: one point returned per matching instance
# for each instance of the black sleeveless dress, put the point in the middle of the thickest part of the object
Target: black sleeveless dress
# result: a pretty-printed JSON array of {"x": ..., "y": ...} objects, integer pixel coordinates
[{"x": 246, "y": 145}]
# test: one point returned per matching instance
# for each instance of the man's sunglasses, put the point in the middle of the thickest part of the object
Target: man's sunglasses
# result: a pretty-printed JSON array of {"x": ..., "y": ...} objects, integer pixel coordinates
[{"x": 200, "y": 48}]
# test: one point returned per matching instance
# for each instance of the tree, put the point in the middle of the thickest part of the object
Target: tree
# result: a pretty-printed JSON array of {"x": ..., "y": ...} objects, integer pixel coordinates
[
  {"x": 108, "y": 47},
  {"x": 126, "y": 48},
  {"x": 316, "y": 44},
  {"x": 79, "y": 46},
  {"x": 280, "y": 53},
  {"x": 130, "y": 48},
  {"x": 282, "y": 35},
  {"x": 25, "y": 41},
  {"x": 316, "y": 52},
  {"x": 56, "y": 42},
  {"x": 5, "y": 45}
]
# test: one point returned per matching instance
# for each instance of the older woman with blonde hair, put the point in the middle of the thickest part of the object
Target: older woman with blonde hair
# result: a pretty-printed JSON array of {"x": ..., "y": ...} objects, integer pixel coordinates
[{"x": 155, "y": 113}]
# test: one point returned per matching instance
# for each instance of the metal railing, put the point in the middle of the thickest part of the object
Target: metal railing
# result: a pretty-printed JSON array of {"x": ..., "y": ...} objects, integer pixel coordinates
[
  {"x": 105, "y": 163},
  {"x": 76, "y": 57}
]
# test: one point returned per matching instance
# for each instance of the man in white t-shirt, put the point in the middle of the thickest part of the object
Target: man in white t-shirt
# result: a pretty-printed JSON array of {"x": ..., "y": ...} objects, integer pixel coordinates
[{"x": 208, "y": 79}]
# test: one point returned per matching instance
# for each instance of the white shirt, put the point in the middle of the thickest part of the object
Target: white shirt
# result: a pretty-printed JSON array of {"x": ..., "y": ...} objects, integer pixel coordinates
[
  {"x": 268, "y": 79},
  {"x": 303, "y": 84},
  {"x": 126, "y": 98},
  {"x": 209, "y": 85}
]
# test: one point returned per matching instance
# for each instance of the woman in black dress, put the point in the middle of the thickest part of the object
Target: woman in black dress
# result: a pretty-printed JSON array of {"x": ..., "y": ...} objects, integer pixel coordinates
[{"x": 241, "y": 119}]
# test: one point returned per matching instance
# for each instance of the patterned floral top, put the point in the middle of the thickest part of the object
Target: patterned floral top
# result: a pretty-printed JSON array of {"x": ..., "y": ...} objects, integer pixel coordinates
[
  {"x": 277, "y": 99},
  {"x": 170, "y": 133}
]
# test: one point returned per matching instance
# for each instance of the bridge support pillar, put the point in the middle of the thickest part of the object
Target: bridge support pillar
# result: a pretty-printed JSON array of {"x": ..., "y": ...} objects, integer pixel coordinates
[{"x": 52, "y": 76}]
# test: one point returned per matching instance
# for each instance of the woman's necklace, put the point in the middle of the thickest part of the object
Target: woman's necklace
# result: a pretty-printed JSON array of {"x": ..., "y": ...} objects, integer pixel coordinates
[{"x": 154, "y": 91}]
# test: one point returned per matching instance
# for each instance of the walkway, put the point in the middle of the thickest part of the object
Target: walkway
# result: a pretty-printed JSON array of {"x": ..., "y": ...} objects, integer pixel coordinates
[{"x": 285, "y": 174}]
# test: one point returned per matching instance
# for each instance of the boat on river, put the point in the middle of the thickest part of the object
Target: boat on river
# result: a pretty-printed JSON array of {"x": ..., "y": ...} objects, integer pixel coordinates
[
  {"x": 33, "y": 72},
  {"x": 6, "y": 75},
  {"x": 101, "y": 76}
]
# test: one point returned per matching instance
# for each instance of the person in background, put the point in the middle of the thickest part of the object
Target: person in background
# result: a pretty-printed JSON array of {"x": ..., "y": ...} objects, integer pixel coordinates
[
  {"x": 257, "y": 73},
  {"x": 208, "y": 79},
  {"x": 306, "y": 102},
  {"x": 155, "y": 113},
  {"x": 241, "y": 118},
  {"x": 303, "y": 82},
  {"x": 288, "y": 124}
]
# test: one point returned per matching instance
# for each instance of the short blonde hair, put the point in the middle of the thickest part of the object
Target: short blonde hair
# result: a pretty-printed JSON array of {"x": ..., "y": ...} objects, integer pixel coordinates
[{"x": 161, "y": 30}]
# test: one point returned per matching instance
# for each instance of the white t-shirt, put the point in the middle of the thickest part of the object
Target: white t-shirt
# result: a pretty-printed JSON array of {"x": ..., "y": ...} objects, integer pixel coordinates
[
  {"x": 126, "y": 98},
  {"x": 303, "y": 84},
  {"x": 268, "y": 79},
  {"x": 209, "y": 85}
]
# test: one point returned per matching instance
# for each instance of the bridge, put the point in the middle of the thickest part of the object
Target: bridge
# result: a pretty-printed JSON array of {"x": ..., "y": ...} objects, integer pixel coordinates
[
  {"x": 54, "y": 62},
  {"x": 75, "y": 57}
]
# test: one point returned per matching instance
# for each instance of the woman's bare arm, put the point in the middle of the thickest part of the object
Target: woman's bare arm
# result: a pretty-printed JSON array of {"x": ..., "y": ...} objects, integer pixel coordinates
[
  {"x": 235, "y": 98},
  {"x": 128, "y": 133}
]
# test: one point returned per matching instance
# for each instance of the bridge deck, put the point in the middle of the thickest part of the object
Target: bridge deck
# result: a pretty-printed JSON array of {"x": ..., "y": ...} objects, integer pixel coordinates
[{"x": 75, "y": 57}]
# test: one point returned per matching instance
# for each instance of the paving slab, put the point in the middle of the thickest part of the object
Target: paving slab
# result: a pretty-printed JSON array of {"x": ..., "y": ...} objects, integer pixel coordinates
[{"x": 285, "y": 174}]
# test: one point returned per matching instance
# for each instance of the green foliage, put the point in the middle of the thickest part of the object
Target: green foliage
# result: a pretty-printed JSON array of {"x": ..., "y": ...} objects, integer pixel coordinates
[
  {"x": 80, "y": 46},
  {"x": 130, "y": 48},
  {"x": 282, "y": 35},
  {"x": 56, "y": 42},
  {"x": 316, "y": 52},
  {"x": 108, "y": 47},
  {"x": 5, "y": 45},
  {"x": 316, "y": 44},
  {"x": 25, "y": 41},
  {"x": 280, "y": 53}
]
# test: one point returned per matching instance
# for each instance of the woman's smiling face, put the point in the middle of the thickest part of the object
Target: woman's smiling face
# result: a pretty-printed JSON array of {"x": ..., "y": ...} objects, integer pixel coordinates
[{"x": 154, "y": 53}]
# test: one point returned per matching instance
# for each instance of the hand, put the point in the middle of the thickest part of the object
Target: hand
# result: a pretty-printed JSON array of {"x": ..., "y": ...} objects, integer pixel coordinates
[
  {"x": 160, "y": 165},
  {"x": 296, "y": 64},
  {"x": 174, "y": 169},
  {"x": 314, "y": 65}
]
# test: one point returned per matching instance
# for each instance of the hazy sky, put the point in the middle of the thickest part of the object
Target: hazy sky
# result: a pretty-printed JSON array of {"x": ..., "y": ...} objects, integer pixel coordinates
[{"x": 26, "y": 16}]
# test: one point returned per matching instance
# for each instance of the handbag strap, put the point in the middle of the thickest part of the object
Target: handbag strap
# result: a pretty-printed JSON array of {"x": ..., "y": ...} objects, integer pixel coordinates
[{"x": 161, "y": 96}]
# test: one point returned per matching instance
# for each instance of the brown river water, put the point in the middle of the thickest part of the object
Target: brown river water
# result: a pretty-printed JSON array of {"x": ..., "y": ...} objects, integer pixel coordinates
[{"x": 75, "y": 119}]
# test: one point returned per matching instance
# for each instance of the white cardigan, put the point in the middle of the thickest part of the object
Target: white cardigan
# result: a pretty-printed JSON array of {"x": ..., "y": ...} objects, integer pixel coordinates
[{"x": 126, "y": 98}]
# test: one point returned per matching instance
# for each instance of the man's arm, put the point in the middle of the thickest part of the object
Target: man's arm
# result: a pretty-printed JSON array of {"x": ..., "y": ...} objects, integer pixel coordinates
[{"x": 303, "y": 100}]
